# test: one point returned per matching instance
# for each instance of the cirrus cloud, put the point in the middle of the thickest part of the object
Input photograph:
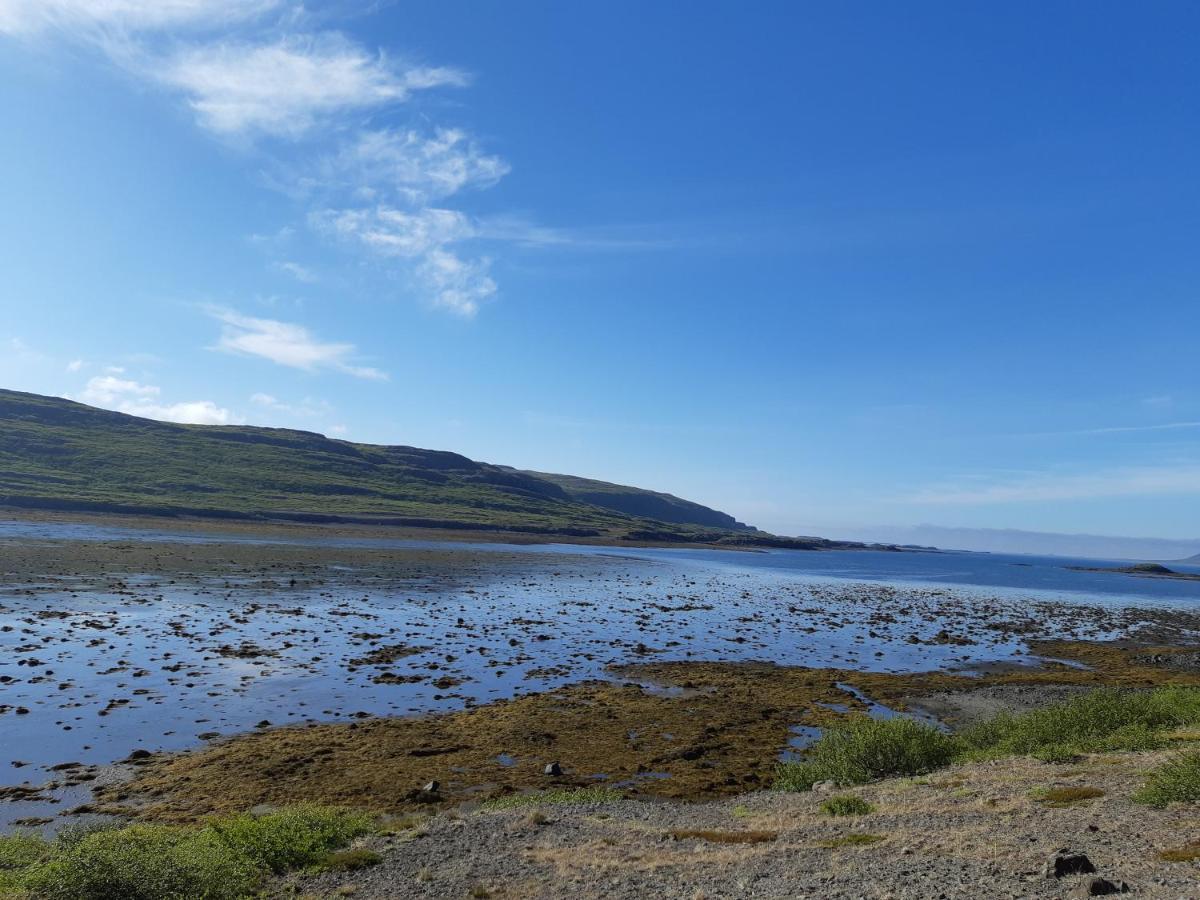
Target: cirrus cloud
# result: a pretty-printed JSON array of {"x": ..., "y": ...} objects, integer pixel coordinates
[
  {"x": 418, "y": 166},
  {"x": 286, "y": 87},
  {"x": 286, "y": 344},
  {"x": 26, "y": 17}
]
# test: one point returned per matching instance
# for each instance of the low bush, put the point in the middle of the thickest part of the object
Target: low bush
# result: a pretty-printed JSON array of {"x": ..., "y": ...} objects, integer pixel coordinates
[
  {"x": 1175, "y": 781},
  {"x": 846, "y": 805},
  {"x": 223, "y": 859},
  {"x": 144, "y": 862},
  {"x": 292, "y": 838},
  {"x": 1097, "y": 721},
  {"x": 862, "y": 749}
]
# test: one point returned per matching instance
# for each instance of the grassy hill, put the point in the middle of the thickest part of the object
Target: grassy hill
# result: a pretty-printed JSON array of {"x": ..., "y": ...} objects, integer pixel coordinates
[
  {"x": 56, "y": 454},
  {"x": 638, "y": 502}
]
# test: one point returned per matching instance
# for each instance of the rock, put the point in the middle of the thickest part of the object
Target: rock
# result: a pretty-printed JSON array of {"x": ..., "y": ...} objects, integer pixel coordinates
[
  {"x": 553, "y": 769},
  {"x": 824, "y": 787},
  {"x": 433, "y": 787},
  {"x": 1095, "y": 886},
  {"x": 1068, "y": 862},
  {"x": 139, "y": 754}
]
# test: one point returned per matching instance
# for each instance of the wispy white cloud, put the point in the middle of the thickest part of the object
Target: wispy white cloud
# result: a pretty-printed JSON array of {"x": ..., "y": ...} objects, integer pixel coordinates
[
  {"x": 85, "y": 17},
  {"x": 1115, "y": 429},
  {"x": 286, "y": 87},
  {"x": 420, "y": 167},
  {"x": 286, "y": 344},
  {"x": 253, "y": 69},
  {"x": 451, "y": 282},
  {"x": 301, "y": 273},
  {"x": 136, "y": 399},
  {"x": 458, "y": 285},
  {"x": 1133, "y": 481},
  {"x": 521, "y": 230},
  {"x": 394, "y": 232},
  {"x": 75, "y": 365}
]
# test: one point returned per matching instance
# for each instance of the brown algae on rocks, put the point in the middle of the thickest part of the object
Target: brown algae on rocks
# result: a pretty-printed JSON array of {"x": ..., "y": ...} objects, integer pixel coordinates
[{"x": 684, "y": 730}]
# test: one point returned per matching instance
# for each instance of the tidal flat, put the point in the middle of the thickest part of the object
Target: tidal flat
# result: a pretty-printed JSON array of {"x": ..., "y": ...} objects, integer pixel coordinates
[{"x": 353, "y": 668}]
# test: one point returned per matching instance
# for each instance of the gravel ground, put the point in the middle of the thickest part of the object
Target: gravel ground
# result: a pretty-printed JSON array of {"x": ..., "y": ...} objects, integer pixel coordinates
[{"x": 969, "y": 831}]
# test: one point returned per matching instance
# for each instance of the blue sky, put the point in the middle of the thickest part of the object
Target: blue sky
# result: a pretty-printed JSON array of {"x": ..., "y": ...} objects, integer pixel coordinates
[{"x": 825, "y": 266}]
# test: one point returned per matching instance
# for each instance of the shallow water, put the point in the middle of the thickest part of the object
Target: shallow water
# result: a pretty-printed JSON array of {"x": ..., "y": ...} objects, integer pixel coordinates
[
  {"x": 149, "y": 662},
  {"x": 1042, "y": 577}
]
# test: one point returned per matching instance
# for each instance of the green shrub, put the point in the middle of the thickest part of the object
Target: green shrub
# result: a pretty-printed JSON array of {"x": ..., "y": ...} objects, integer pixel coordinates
[
  {"x": 846, "y": 805},
  {"x": 1100, "y": 720},
  {"x": 21, "y": 850},
  {"x": 223, "y": 859},
  {"x": 292, "y": 838},
  {"x": 862, "y": 749},
  {"x": 1175, "y": 781},
  {"x": 145, "y": 862}
]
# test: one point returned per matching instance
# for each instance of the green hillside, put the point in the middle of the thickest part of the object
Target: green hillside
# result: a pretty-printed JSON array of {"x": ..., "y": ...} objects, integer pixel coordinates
[
  {"x": 56, "y": 454},
  {"x": 634, "y": 501}
]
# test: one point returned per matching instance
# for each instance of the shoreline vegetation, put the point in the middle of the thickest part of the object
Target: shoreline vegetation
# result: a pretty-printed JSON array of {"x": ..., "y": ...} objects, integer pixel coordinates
[{"x": 724, "y": 725}]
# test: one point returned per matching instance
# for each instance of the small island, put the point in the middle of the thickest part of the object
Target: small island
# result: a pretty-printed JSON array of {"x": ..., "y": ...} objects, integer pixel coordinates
[{"x": 1145, "y": 570}]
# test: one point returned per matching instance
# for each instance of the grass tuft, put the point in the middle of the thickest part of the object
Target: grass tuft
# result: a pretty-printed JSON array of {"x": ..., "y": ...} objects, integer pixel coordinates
[
  {"x": 862, "y": 749},
  {"x": 846, "y": 805},
  {"x": 1187, "y": 853},
  {"x": 1061, "y": 797},
  {"x": 1175, "y": 781}
]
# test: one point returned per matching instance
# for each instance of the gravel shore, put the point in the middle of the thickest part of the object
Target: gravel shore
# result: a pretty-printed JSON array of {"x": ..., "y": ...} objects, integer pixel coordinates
[{"x": 968, "y": 831}]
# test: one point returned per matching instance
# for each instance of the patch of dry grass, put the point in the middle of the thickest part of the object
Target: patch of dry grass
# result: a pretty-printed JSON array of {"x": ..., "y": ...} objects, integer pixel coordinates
[
  {"x": 1061, "y": 797},
  {"x": 1189, "y": 852}
]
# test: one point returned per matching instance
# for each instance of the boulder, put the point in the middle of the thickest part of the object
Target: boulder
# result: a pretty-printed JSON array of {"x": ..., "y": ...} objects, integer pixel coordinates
[{"x": 1068, "y": 862}]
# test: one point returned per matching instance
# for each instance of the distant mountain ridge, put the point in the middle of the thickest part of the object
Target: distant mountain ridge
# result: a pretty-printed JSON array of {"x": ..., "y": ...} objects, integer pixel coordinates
[{"x": 58, "y": 454}]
